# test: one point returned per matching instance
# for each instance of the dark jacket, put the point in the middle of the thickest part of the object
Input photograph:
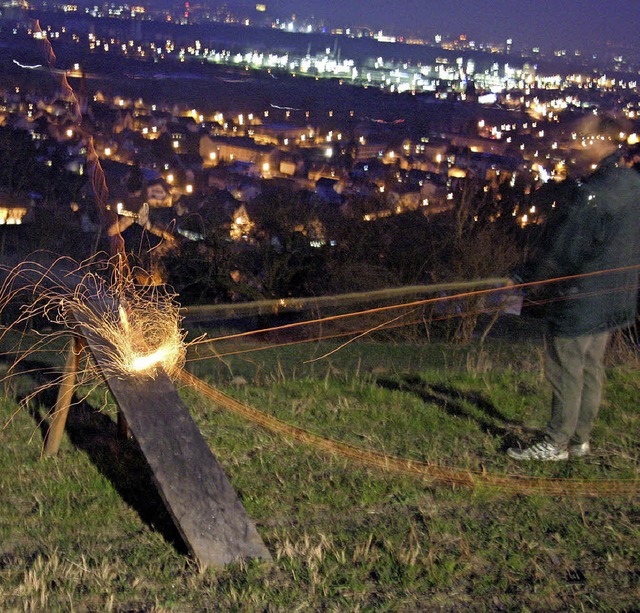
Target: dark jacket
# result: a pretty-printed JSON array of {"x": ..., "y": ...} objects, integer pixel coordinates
[{"x": 595, "y": 250}]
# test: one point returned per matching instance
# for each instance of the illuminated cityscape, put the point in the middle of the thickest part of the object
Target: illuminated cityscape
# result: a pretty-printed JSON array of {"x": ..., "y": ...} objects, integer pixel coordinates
[{"x": 338, "y": 113}]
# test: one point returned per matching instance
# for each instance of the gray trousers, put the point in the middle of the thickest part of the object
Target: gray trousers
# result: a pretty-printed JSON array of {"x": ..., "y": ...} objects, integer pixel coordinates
[{"x": 575, "y": 369}]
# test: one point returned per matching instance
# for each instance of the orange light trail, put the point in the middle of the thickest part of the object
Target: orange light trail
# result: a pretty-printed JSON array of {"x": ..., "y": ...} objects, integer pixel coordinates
[{"x": 515, "y": 484}]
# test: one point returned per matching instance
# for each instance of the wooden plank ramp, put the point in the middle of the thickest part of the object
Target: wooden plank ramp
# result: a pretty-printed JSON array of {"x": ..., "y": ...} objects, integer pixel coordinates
[{"x": 198, "y": 495}]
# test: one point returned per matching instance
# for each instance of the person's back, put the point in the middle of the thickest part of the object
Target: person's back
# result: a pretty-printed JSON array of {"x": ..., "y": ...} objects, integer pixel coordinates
[{"x": 597, "y": 250}]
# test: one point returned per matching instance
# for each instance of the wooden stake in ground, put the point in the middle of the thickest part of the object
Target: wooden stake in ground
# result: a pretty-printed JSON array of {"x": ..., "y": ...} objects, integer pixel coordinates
[{"x": 63, "y": 402}]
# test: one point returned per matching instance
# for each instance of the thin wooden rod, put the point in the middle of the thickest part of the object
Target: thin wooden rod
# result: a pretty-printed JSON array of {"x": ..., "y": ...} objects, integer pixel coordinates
[{"x": 63, "y": 401}]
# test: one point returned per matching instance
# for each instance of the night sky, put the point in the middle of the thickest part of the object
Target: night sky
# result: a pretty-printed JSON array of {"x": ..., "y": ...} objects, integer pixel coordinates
[{"x": 552, "y": 24}]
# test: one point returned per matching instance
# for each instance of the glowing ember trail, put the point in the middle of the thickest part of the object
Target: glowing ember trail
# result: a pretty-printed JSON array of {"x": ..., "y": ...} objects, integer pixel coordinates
[
  {"x": 124, "y": 320},
  {"x": 108, "y": 217}
]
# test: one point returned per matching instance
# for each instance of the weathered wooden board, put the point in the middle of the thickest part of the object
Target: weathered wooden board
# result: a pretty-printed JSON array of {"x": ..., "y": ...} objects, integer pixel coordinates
[{"x": 204, "y": 506}]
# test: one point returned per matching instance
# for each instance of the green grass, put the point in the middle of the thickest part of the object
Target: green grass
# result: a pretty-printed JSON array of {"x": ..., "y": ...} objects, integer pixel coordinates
[{"x": 84, "y": 530}]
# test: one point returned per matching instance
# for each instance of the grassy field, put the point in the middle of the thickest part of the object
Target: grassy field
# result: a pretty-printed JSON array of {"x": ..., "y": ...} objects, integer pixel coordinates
[{"x": 86, "y": 531}]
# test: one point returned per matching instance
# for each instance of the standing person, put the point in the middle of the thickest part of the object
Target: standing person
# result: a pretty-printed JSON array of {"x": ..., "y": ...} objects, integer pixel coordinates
[{"x": 592, "y": 267}]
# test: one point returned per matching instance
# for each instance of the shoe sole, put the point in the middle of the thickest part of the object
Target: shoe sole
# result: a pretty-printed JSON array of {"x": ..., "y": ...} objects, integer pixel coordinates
[{"x": 561, "y": 458}]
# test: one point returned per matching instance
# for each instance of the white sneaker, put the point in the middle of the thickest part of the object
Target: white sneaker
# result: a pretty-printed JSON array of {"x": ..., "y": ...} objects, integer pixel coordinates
[
  {"x": 579, "y": 450},
  {"x": 543, "y": 451}
]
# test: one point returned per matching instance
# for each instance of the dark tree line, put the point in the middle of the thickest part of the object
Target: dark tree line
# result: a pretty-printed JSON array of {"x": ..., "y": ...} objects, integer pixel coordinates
[{"x": 283, "y": 257}]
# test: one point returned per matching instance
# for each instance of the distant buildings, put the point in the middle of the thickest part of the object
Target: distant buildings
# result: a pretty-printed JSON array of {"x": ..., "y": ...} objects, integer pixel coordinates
[{"x": 488, "y": 118}]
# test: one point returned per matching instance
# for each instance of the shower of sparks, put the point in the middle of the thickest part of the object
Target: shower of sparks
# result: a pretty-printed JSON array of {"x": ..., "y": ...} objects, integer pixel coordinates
[
  {"x": 136, "y": 328},
  {"x": 144, "y": 334}
]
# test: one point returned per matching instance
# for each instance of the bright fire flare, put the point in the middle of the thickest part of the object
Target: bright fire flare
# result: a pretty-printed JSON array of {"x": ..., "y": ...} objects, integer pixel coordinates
[{"x": 160, "y": 356}]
